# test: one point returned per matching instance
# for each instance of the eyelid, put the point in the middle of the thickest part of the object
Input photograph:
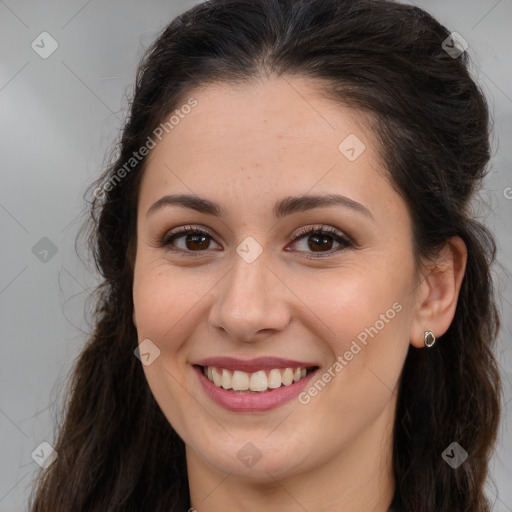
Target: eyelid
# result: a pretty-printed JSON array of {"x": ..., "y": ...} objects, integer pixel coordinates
[
  {"x": 319, "y": 228},
  {"x": 165, "y": 240}
]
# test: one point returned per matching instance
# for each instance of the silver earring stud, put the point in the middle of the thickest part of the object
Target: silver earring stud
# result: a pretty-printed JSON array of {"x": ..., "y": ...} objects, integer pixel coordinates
[{"x": 430, "y": 339}]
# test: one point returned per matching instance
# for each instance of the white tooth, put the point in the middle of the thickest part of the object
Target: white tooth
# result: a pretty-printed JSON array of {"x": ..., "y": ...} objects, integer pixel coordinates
[
  {"x": 217, "y": 376},
  {"x": 226, "y": 379},
  {"x": 259, "y": 381},
  {"x": 240, "y": 381},
  {"x": 287, "y": 377},
  {"x": 274, "y": 378}
]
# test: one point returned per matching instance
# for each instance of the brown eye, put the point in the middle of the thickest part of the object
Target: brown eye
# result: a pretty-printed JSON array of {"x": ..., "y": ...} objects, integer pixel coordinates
[
  {"x": 187, "y": 239},
  {"x": 197, "y": 241},
  {"x": 321, "y": 241},
  {"x": 317, "y": 241}
]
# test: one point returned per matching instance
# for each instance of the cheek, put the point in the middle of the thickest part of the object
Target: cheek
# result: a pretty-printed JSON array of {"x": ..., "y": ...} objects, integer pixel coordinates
[
  {"x": 364, "y": 315},
  {"x": 347, "y": 301},
  {"x": 163, "y": 299},
  {"x": 368, "y": 321}
]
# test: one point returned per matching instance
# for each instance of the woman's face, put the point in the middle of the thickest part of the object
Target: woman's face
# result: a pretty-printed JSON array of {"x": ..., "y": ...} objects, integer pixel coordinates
[{"x": 342, "y": 301}]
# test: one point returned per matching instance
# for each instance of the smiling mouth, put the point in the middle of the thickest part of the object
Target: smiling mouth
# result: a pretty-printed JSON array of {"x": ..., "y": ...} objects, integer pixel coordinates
[{"x": 262, "y": 381}]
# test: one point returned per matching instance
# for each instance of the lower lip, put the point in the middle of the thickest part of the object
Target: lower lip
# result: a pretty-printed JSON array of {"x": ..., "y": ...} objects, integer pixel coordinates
[{"x": 252, "y": 402}]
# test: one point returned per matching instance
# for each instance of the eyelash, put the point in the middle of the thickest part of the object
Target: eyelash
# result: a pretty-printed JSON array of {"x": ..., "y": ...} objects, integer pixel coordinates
[{"x": 339, "y": 237}]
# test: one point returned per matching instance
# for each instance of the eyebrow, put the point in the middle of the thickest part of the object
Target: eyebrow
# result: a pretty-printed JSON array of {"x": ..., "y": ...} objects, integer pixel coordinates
[{"x": 287, "y": 206}]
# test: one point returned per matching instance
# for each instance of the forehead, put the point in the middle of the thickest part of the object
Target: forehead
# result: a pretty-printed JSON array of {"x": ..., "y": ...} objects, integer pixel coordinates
[
  {"x": 272, "y": 136},
  {"x": 281, "y": 112}
]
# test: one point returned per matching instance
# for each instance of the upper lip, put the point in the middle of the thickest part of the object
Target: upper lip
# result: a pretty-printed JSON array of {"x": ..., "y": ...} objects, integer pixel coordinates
[{"x": 252, "y": 365}]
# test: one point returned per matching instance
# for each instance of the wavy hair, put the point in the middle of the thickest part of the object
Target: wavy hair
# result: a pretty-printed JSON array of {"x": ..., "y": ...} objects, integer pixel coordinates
[{"x": 116, "y": 450}]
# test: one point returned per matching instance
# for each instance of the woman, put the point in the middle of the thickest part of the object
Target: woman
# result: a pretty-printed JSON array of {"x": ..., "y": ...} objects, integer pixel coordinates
[{"x": 297, "y": 310}]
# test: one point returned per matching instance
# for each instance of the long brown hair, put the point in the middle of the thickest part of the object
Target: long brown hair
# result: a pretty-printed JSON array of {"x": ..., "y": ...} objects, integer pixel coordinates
[{"x": 116, "y": 450}]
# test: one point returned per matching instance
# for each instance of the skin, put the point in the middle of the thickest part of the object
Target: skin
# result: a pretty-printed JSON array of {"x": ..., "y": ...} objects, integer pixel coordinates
[{"x": 246, "y": 147}]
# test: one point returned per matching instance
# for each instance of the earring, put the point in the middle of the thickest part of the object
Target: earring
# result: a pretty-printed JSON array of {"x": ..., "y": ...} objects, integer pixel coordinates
[{"x": 430, "y": 339}]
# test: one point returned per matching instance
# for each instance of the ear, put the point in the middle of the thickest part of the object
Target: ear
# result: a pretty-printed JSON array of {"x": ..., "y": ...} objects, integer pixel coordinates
[{"x": 439, "y": 291}]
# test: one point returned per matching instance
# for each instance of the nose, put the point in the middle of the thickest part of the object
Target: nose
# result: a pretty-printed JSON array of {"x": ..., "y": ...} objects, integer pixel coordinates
[{"x": 251, "y": 302}]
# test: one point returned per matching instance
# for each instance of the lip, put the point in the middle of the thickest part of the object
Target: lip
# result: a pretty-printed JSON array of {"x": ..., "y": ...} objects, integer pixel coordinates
[
  {"x": 253, "y": 365},
  {"x": 252, "y": 402}
]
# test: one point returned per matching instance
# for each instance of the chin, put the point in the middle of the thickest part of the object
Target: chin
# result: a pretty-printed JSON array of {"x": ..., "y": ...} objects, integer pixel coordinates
[{"x": 257, "y": 457}]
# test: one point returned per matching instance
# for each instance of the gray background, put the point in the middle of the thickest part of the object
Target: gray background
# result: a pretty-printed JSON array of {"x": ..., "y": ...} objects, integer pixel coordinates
[{"x": 59, "y": 117}]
